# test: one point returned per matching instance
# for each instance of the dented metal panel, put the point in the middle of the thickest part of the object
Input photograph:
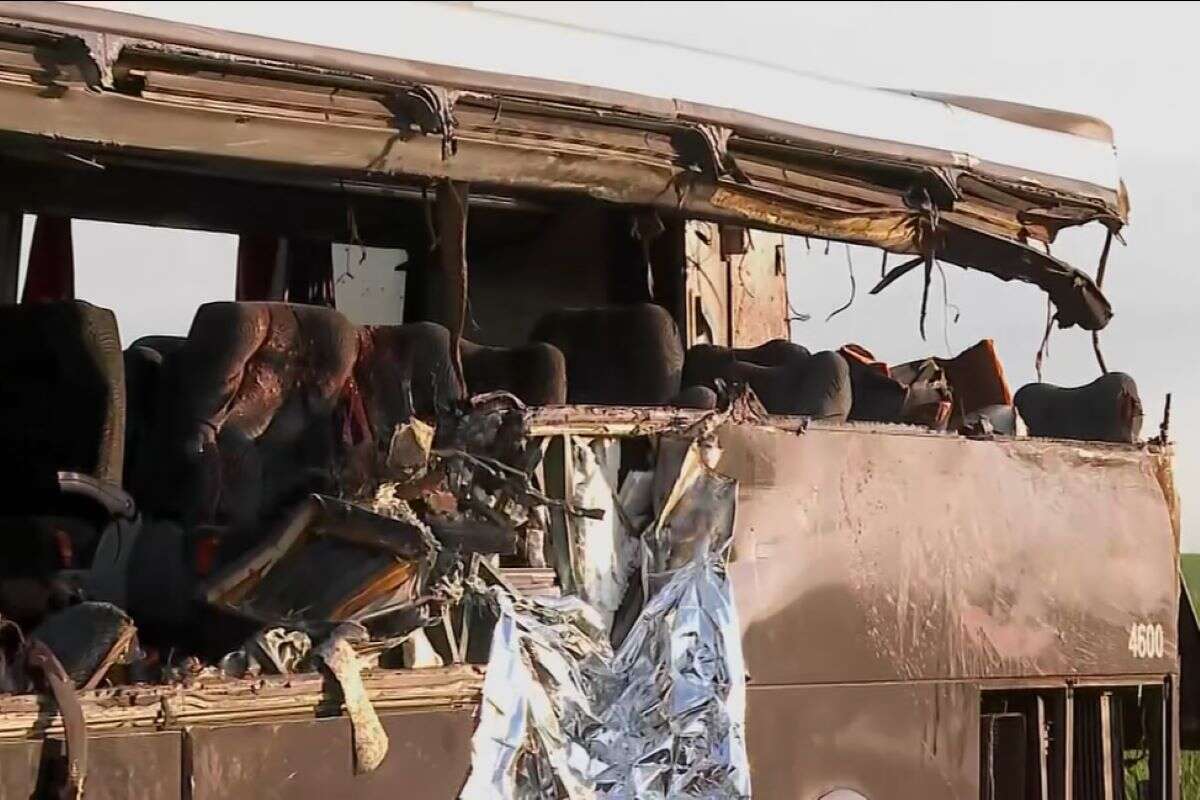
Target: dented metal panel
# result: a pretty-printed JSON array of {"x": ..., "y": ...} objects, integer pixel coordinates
[{"x": 867, "y": 556}]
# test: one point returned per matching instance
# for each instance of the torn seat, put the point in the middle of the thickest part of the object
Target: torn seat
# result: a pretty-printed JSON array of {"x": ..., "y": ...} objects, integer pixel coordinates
[
  {"x": 976, "y": 379},
  {"x": 247, "y": 414},
  {"x": 785, "y": 376},
  {"x": 404, "y": 371},
  {"x": 1106, "y": 410},
  {"x": 247, "y": 422},
  {"x": 877, "y": 396},
  {"x": 616, "y": 355}
]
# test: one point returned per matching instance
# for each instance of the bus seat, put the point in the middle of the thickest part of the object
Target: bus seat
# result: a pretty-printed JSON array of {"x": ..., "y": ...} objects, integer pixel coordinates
[
  {"x": 144, "y": 361},
  {"x": 877, "y": 396},
  {"x": 404, "y": 370},
  {"x": 1106, "y": 410},
  {"x": 536, "y": 372},
  {"x": 616, "y": 355},
  {"x": 787, "y": 379},
  {"x": 62, "y": 446},
  {"x": 63, "y": 393},
  {"x": 247, "y": 421}
]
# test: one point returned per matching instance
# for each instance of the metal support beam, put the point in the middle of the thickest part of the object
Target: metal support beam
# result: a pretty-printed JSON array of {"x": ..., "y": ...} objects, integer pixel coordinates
[
  {"x": 10, "y": 255},
  {"x": 451, "y": 308}
]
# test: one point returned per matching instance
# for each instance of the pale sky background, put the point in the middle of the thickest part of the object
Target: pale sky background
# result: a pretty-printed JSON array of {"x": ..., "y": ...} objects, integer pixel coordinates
[{"x": 1131, "y": 64}]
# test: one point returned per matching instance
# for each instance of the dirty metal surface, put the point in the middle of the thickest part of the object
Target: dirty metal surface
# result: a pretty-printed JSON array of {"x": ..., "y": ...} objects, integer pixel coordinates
[
  {"x": 758, "y": 280},
  {"x": 707, "y": 285},
  {"x": 427, "y": 758},
  {"x": 913, "y": 742},
  {"x": 866, "y": 557},
  {"x": 142, "y": 765},
  {"x": 229, "y": 700}
]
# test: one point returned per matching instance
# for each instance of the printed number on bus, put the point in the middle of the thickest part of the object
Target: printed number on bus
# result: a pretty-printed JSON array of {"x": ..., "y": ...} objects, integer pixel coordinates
[{"x": 1146, "y": 641}]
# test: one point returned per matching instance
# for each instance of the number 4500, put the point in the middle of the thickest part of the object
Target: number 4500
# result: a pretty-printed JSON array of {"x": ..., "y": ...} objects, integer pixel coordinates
[{"x": 1146, "y": 641}]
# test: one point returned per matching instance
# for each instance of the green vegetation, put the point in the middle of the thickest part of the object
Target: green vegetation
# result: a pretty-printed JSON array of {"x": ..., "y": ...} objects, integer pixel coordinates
[
  {"x": 1189, "y": 563},
  {"x": 1189, "y": 775}
]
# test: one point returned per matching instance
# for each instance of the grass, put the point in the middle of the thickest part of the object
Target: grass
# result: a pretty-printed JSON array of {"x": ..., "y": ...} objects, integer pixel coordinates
[
  {"x": 1189, "y": 776},
  {"x": 1189, "y": 771},
  {"x": 1189, "y": 565}
]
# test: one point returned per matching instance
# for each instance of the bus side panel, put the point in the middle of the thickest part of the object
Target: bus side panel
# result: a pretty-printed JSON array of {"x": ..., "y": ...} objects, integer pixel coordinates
[
  {"x": 147, "y": 766},
  {"x": 902, "y": 741},
  {"x": 866, "y": 556},
  {"x": 428, "y": 757}
]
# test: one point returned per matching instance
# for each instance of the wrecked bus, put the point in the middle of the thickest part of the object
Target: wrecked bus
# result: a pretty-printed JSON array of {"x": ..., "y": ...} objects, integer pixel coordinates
[{"x": 574, "y": 517}]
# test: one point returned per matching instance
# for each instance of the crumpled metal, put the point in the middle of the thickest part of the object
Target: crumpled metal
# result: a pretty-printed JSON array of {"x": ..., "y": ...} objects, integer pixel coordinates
[
  {"x": 564, "y": 716},
  {"x": 274, "y": 651}
]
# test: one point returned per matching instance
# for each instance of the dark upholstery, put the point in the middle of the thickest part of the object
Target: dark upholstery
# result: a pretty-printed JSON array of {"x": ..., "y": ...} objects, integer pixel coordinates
[
  {"x": 62, "y": 390},
  {"x": 144, "y": 367},
  {"x": 62, "y": 394},
  {"x": 816, "y": 385},
  {"x": 772, "y": 353},
  {"x": 616, "y": 355},
  {"x": 1106, "y": 410},
  {"x": 402, "y": 369},
  {"x": 700, "y": 397},
  {"x": 248, "y": 415},
  {"x": 877, "y": 396},
  {"x": 536, "y": 372}
]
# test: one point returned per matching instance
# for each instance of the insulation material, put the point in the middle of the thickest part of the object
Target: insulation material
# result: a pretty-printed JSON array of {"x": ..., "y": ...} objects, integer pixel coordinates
[
  {"x": 664, "y": 716},
  {"x": 370, "y": 739},
  {"x": 605, "y": 549}
]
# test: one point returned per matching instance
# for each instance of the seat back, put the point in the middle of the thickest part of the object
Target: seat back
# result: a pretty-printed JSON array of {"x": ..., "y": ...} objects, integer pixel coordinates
[
  {"x": 62, "y": 388},
  {"x": 1106, "y": 410},
  {"x": 144, "y": 365},
  {"x": 536, "y": 372},
  {"x": 616, "y": 355},
  {"x": 786, "y": 378},
  {"x": 248, "y": 415},
  {"x": 404, "y": 370}
]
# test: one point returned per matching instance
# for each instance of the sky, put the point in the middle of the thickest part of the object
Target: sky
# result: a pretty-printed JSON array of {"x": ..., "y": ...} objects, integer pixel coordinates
[{"x": 1129, "y": 64}]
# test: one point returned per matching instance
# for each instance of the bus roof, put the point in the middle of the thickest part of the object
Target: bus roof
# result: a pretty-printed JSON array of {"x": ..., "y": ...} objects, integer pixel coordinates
[
  {"x": 438, "y": 91},
  {"x": 463, "y": 45}
]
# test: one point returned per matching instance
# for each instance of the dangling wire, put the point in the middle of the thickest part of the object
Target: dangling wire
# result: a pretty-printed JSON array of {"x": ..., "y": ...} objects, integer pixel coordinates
[
  {"x": 853, "y": 288},
  {"x": 1044, "y": 349},
  {"x": 1099, "y": 285},
  {"x": 946, "y": 306},
  {"x": 925, "y": 293}
]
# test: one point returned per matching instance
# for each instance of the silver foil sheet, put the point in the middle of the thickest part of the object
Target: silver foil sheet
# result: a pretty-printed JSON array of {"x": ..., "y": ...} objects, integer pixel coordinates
[{"x": 564, "y": 716}]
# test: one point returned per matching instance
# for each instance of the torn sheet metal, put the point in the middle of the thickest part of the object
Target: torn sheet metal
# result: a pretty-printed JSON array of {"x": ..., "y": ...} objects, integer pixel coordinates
[
  {"x": 662, "y": 717},
  {"x": 605, "y": 547}
]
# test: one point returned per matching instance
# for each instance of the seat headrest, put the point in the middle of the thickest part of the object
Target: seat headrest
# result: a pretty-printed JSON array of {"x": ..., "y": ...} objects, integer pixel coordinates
[
  {"x": 616, "y": 355},
  {"x": 63, "y": 390}
]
